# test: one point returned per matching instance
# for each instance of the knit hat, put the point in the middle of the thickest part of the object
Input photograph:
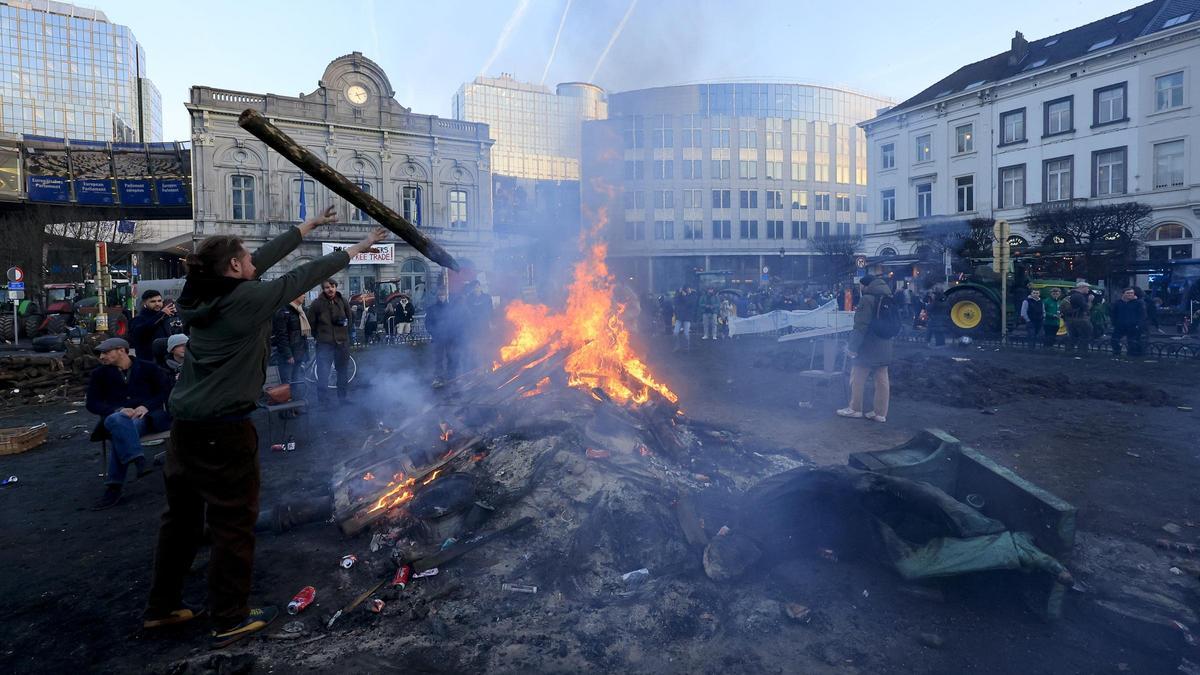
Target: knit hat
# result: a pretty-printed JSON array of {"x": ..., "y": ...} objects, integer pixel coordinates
[{"x": 175, "y": 341}]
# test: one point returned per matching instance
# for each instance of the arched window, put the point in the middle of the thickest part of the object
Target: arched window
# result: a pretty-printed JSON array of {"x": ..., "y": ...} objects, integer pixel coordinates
[
  {"x": 887, "y": 251},
  {"x": 458, "y": 209},
  {"x": 1169, "y": 231},
  {"x": 924, "y": 252},
  {"x": 358, "y": 215},
  {"x": 1015, "y": 240}
]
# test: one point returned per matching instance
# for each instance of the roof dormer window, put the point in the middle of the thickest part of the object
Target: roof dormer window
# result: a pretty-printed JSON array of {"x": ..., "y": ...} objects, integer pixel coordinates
[
  {"x": 1182, "y": 18},
  {"x": 1051, "y": 42},
  {"x": 1102, "y": 44},
  {"x": 1036, "y": 64}
]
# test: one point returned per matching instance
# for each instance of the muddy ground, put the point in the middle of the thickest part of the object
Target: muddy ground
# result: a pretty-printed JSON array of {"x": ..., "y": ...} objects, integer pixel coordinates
[{"x": 1106, "y": 436}]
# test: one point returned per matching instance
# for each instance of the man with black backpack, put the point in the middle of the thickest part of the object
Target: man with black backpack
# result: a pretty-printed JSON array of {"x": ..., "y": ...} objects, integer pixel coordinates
[{"x": 876, "y": 322}]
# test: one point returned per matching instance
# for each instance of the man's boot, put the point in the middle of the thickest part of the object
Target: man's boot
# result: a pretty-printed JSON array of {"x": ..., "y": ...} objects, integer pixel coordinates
[{"x": 110, "y": 498}]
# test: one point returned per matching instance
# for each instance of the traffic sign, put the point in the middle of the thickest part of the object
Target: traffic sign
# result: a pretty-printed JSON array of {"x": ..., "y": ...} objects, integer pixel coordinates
[
  {"x": 16, "y": 295},
  {"x": 16, "y": 285},
  {"x": 16, "y": 274}
]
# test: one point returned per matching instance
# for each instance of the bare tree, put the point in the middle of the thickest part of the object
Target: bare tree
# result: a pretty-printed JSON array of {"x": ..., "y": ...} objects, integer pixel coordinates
[
  {"x": 962, "y": 238},
  {"x": 1098, "y": 232},
  {"x": 836, "y": 254},
  {"x": 98, "y": 230}
]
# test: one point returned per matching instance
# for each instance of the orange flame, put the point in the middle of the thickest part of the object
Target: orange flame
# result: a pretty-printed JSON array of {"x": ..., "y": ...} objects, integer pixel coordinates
[{"x": 591, "y": 328}]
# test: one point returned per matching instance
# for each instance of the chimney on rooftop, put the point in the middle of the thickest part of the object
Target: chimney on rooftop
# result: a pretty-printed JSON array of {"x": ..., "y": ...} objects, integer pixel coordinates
[{"x": 1020, "y": 47}]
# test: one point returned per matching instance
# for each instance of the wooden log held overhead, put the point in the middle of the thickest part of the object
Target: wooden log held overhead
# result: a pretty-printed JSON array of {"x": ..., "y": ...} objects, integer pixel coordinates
[{"x": 253, "y": 121}]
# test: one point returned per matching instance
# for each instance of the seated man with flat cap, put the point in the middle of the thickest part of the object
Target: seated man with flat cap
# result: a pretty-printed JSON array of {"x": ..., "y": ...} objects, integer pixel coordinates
[{"x": 130, "y": 397}]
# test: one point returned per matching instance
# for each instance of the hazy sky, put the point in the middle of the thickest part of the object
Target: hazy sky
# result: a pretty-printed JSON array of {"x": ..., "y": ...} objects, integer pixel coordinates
[{"x": 428, "y": 49}]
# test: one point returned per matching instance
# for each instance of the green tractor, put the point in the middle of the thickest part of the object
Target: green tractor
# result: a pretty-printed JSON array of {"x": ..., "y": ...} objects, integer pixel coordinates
[{"x": 974, "y": 303}]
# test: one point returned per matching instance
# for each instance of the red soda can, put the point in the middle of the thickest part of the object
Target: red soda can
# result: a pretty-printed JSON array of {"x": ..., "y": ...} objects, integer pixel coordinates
[
  {"x": 303, "y": 599},
  {"x": 403, "y": 576},
  {"x": 376, "y": 605},
  {"x": 278, "y": 447}
]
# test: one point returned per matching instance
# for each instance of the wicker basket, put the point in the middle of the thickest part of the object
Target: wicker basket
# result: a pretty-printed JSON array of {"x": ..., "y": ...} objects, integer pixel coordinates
[{"x": 19, "y": 439}]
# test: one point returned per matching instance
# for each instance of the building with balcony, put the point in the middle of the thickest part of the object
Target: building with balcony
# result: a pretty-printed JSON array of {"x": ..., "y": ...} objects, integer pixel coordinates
[
  {"x": 739, "y": 178},
  {"x": 68, "y": 72},
  {"x": 1100, "y": 114},
  {"x": 435, "y": 172}
]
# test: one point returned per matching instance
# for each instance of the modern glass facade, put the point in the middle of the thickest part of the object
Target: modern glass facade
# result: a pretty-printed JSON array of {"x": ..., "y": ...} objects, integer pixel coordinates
[
  {"x": 68, "y": 72},
  {"x": 746, "y": 178},
  {"x": 536, "y": 130}
]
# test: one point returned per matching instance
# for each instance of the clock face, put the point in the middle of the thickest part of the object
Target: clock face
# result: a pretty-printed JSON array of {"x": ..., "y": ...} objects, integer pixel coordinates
[{"x": 356, "y": 94}]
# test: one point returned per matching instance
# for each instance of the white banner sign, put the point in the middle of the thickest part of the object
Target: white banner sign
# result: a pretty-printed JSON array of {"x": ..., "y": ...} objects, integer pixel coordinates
[{"x": 386, "y": 254}]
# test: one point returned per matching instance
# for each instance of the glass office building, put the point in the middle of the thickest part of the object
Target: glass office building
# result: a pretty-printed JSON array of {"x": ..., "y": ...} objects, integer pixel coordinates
[
  {"x": 536, "y": 129},
  {"x": 68, "y": 72},
  {"x": 747, "y": 179}
]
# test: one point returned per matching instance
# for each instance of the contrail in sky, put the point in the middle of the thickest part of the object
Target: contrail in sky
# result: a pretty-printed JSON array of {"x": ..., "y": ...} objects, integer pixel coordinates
[
  {"x": 505, "y": 33},
  {"x": 616, "y": 34},
  {"x": 561, "y": 22}
]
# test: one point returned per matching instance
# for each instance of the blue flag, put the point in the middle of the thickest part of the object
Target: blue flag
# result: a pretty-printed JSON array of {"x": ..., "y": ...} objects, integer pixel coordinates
[{"x": 303, "y": 206}]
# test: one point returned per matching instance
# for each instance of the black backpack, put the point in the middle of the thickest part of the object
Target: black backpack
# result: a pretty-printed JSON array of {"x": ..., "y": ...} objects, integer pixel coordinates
[{"x": 886, "y": 323}]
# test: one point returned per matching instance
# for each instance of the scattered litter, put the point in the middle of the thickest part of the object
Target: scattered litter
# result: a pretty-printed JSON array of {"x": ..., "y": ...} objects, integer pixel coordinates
[
  {"x": 932, "y": 640},
  {"x": 376, "y": 541},
  {"x": 70, "y": 412},
  {"x": 828, "y": 554},
  {"x": 333, "y": 619},
  {"x": 9, "y": 481},
  {"x": 975, "y": 501},
  {"x": 448, "y": 543},
  {"x": 797, "y": 612},
  {"x": 485, "y": 506},
  {"x": 636, "y": 577},
  {"x": 402, "y": 577},
  {"x": 596, "y": 453},
  {"x": 703, "y": 478},
  {"x": 349, "y": 560},
  {"x": 1172, "y": 528},
  {"x": 302, "y": 599},
  {"x": 376, "y": 605},
  {"x": 79, "y": 404},
  {"x": 960, "y": 359},
  {"x": 1133, "y": 454},
  {"x": 989, "y": 411},
  {"x": 723, "y": 531},
  {"x": 1187, "y": 633},
  {"x": 1185, "y": 408},
  {"x": 293, "y": 627},
  {"x": 519, "y": 588},
  {"x": 866, "y": 594},
  {"x": 432, "y": 572},
  {"x": 1176, "y": 571}
]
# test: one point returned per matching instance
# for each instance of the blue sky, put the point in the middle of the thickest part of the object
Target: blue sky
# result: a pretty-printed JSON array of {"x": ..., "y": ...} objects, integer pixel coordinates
[{"x": 429, "y": 49}]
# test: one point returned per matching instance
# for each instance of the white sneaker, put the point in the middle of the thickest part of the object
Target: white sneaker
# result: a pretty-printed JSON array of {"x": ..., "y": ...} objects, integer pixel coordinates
[
  {"x": 875, "y": 418},
  {"x": 849, "y": 412}
]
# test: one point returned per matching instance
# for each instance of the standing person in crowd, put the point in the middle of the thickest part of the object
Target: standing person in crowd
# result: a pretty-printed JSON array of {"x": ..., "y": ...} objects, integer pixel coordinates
[
  {"x": 153, "y": 322},
  {"x": 742, "y": 303},
  {"x": 1077, "y": 312},
  {"x": 900, "y": 297},
  {"x": 403, "y": 311},
  {"x": 666, "y": 310},
  {"x": 477, "y": 337},
  {"x": 1099, "y": 317},
  {"x": 1033, "y": 313},
  {"x": 176, "y": 354},
  {"x": 937, "y": 318},
  {"x": 727, "y": 311},
  {"x": 290, "y": 331},
  {"x": 1151, "y": 311},
  {"x": 709, "y": 304},
  {"x": 130, "y": 396},
  {"x": 871, "y": 354},
  {"x": 212, "y": 472},
  {"x": 442, "y": 323},
  {"x": 1128, "y": 318},
  {"x": 1053, "y": 316},
  {"x": 330, "y": 317},
  {"x": 686, "y": 308}
]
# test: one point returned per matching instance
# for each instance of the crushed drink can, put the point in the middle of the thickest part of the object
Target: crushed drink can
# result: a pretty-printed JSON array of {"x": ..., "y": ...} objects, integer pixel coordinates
[
  {"x": 349, "y": 560},
  {"x": 290, "y": 446},
  {"x": 403, "y": 576},
  {"x": 519, "y": 588},
  {"x": 375, "y": 605},
  {"x": 431, "y": 572},
  {"x": 596, "y": 453},
  {"x": 303, "y": 599},
  {"x": 279, "y": 447}
]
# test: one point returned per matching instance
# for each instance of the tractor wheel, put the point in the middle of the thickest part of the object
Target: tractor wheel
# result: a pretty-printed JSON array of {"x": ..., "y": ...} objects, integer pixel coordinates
[
  {"x": 30, "y": 324},
  {"x": 973, "y": 313},
  {"x": 57, "y": 324},
  {"x": 6, "y": 327}
]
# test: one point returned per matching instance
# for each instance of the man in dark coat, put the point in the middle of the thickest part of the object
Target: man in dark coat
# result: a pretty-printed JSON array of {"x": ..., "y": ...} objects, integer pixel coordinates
[
  {"x": 1033, "y": 313},
  {"x": 330, "y": 317},
  {"x": 130, "y": 397},
  {"x": 442, "y": 322},
  {"x": 871, "y": 354},
  {"x": 1077, "y": 312},
  {"x": 477, "y": 334},
  {"x": 290, "y": 331},
  {"x": 1128, "y": 319},
  {"x": 153, "y": 322}
]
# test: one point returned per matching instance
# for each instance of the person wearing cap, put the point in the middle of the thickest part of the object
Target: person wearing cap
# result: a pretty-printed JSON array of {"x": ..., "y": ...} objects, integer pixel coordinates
[
  {"x": 130, "y": 396},
  {"x": 176, "y": 351},
  {"x": 1077, "y": 312},
  {"x": 211, "y": 472},
  {"x": 871, "y": 354},
  {"x": 151, "y": 323}
]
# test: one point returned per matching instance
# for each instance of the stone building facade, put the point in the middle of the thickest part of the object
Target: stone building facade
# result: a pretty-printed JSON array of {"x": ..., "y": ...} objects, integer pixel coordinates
[{"x": 436, "y": 172}]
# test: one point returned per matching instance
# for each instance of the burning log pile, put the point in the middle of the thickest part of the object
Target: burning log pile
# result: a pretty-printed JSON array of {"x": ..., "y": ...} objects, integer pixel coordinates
[{"x": 42, "y": 378}]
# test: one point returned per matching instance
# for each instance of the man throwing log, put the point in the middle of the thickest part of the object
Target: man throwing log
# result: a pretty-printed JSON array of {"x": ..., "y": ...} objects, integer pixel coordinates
[{"x": 211, "y": 472}]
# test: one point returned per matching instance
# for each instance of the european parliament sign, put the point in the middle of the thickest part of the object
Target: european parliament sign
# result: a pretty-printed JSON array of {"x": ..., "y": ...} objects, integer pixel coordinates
[{"x": 106, "y": 174}]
